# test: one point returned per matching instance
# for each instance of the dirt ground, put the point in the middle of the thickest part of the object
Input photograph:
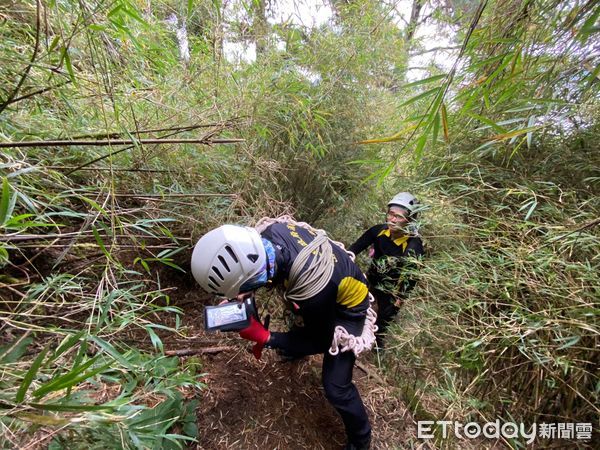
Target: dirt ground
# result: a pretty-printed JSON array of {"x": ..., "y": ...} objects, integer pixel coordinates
[{"x": 271, "y": 404}]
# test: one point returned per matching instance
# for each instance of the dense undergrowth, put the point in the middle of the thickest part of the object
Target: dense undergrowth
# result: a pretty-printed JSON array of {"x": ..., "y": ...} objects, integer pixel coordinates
[{"x": 504, "y": 321}]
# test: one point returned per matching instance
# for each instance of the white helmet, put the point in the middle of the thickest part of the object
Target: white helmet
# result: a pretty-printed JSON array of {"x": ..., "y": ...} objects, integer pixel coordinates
[
  {"x": 226, "y": 257},
  {"x": 405, "y": 200}
]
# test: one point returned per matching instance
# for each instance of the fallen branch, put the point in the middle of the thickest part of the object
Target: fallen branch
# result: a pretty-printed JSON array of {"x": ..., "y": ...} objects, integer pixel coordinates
[
  {"x": 369, "y": 373},
  {"x": 108, "y": 142},
  {"x": 199, "y": 351}
]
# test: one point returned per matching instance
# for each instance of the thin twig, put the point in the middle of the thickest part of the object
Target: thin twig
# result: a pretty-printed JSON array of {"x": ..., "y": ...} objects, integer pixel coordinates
[
  {"x": 39, "y": 91},
  {"x": 108, "y": 142}
]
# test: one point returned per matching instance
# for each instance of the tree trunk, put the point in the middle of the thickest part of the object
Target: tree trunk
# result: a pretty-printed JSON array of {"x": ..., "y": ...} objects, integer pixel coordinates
[
  {"x": 414, "y": 21},
  {"x": 261, "y": 27}
]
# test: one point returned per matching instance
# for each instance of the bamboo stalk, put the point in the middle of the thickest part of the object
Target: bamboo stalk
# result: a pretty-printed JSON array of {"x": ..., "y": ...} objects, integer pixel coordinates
[
  {"x": 123, "y": 169},
  {"x": 198, "y": 351},
  {"x": 25, "y": 74},
  {"x": 124, "y": 194},
  {"x": 34, "y": 237},
  {"x": 94, "y": 244},
  {"x": 114, "y": 135},
  {"x": 107, "y": 142}
]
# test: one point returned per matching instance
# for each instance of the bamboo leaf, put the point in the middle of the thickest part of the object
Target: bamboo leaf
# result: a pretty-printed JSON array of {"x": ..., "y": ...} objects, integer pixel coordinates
[
  {"x": 168, "y": 262},
  {"x": 44, "y": 420},
  {"x": 64, "y": 381},
  {"x": 108, "y": 348},
  {"x": 30, "y": 375},
  {"x": 54, "y": 43},
  {"x": 532, "y": 204},
  {"x": 156, "y": 341},
  {"x": 488, "y": 122},
  {"x": 67, "y": 59},
  {"x": 7, "y": 202},
  {"x": 445, "y": 123},
  {"x": 425, "y": 81},
  {"x": 94, "y": 205},
  {"x": 4, "y": 256},
  {"x": 67, "y": 343},
  {"x": 14, "y": 351},
  {"x": 421, "y": 96},
  {"x": 514, "y": 133},
  {"x": 436, "y": 128},
  {"x": 100, "y": 242},
  {"x": 395, "y": 137},
  {"x": 420, "y": 145},
  {"x": 67, "y": 407}
]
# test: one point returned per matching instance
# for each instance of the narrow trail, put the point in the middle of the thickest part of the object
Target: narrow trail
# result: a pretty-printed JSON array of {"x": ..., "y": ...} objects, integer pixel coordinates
[{"x": 270, "y": 404}]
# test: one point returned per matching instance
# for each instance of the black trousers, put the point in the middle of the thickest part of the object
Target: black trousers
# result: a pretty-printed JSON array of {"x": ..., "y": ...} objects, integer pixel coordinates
[
  {"x": 336, "y": 379},
  {"x": 386, "y": 311}
]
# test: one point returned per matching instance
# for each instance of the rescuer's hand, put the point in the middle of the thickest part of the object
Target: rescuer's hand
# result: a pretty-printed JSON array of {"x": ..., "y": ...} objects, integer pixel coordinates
[{"x": 256, "y": 332}]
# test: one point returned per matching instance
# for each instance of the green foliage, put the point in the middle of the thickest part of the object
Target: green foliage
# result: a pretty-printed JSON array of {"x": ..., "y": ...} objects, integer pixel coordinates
[{"x": 506, "y": 313}]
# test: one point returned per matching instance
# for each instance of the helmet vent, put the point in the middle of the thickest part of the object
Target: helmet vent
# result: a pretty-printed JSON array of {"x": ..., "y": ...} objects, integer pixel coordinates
[
  {"x": 215, "y": 270},
  {"x": 231, "y": 253},
  {"x": 224, "y": 263},
  {"x": 252, "y": 257},
  {"x": 213, "y": 281}
]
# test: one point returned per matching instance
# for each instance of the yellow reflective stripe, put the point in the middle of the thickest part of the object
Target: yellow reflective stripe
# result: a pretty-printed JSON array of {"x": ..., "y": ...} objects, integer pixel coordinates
[
  {"x": 401, "y": 241},
  {"x": 351, "y": 292},
  {"x": 384, "y": 232}
]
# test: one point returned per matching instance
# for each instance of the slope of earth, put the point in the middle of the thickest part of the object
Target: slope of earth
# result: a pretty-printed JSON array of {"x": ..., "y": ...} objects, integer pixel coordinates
[{"x": 272, "y": 404}]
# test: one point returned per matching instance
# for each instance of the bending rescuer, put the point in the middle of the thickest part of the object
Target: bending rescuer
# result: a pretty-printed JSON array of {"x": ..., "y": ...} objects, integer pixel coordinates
[
  {"x": 393, "y": 243},
  {"x": 323, "y": 286}
]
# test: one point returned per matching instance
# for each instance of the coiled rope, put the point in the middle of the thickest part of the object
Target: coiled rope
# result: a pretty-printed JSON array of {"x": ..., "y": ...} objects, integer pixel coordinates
[{"x": 305, "y": 283}]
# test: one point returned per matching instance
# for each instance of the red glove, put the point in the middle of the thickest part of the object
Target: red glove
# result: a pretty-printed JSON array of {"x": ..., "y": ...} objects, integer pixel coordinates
[{"x": 258, "y": 333}]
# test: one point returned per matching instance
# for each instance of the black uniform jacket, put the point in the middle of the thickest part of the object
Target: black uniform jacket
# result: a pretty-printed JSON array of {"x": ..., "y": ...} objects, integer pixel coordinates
[
  {"x": 389, "y": 257},
  {"x": 343, "y": 301}
]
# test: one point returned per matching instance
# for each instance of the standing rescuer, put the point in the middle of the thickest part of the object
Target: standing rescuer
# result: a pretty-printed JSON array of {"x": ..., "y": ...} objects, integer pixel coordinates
[
  {"x": 393, "y": 242},
  {"x": 323, "y": 286}
]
